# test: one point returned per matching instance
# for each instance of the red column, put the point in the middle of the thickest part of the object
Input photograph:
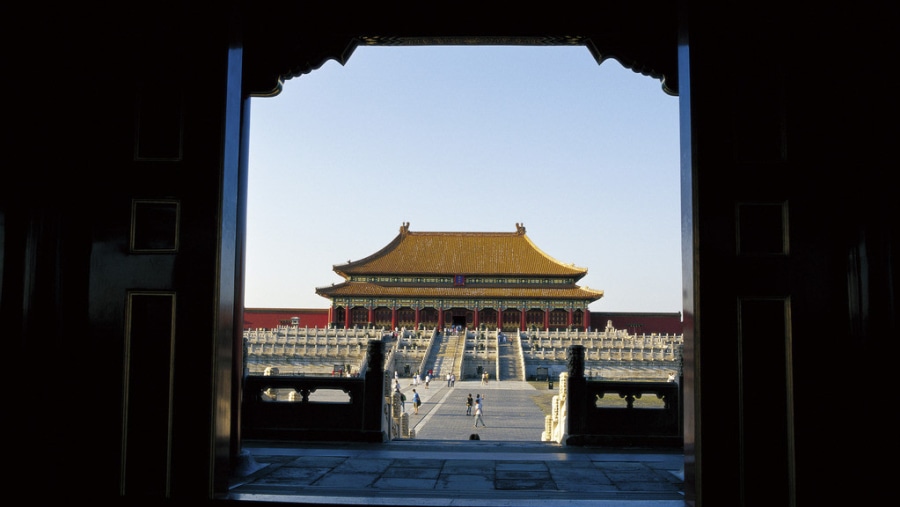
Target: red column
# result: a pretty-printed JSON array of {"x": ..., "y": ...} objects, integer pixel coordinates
[
  {"x": 347, "y": 317},
  {"x": 417, "y": 318},
  {"x": 441, "y": 319},
  {"x": 587, "y": 319},
  {"x": 522, "y": 320},
  {"x": 331, "y": 313},
  {"x": 372, "y": 314},
  {"x": 475, "y": 322},
  {"x": 546, "y": 319},
  {"x": 569, "y": 319},
  {"x": 393, "y": 317},
  {"x": 499, "y": 319}
]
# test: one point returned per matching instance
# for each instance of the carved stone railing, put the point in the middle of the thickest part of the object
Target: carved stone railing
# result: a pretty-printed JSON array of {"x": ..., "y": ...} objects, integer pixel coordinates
[
  {"x": 362, "y": 413},
  {"x": 587, "y": 423},
  {"x": 591, "y": 424},
  {"x": 357, "y": 416}
]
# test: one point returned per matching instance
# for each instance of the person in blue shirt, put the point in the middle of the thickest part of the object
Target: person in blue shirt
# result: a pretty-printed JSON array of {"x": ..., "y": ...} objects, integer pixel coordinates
[{"x": 416, "y": 401}]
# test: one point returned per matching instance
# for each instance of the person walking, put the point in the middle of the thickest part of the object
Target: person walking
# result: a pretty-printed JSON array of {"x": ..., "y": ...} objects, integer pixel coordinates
[
  {"x": 479, "y": 412},
  {"x": 416, "y": 402},
  {"x": 469, "y": 403}
]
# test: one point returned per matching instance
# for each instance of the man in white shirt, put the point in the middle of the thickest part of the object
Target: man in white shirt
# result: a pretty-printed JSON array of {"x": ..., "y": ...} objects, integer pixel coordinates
[{"x": 479, "y": 412}]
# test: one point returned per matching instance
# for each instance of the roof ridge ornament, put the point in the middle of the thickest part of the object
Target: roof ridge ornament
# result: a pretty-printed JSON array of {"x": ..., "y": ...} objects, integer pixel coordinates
[
  {"x": 404, "y": 228},
  {"x": 520, "y": 228}
]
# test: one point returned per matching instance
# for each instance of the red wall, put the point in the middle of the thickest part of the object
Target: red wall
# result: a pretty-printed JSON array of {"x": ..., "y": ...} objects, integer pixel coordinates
[
  {"x": 270, "y": 318},
  {"x": 639, "y": 323}
]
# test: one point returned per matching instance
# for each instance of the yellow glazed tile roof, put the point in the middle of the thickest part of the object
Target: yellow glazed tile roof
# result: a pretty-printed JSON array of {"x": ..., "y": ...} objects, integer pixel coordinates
[{"x": 460, "y": 253}]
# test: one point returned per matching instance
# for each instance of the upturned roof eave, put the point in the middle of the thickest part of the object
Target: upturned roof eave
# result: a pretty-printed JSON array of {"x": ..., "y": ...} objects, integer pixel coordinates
[{"x": 350, "y": 268}]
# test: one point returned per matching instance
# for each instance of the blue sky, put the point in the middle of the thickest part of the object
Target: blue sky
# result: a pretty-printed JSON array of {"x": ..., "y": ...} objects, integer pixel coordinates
[{"x": 459, "y": 138}]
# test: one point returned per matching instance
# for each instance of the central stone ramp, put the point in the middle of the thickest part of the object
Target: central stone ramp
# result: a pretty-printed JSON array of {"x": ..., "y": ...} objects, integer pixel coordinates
[{"x": 511, "y": 412}]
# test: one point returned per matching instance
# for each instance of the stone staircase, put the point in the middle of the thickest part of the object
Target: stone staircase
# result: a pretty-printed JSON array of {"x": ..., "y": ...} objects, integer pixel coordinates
[
  {"x": 435, "y": 358},
  {"x": 448, "y": 360},
  {"x": 509, "y": 354},
  {"x": 446, "y": 356},
  {"x": 459, "y": 353}
]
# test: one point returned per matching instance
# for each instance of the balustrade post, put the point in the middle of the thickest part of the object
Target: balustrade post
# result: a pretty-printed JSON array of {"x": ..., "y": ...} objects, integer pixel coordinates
[
  {"x": 373, "y": 402},
  {"x": 576, "y": 392}
]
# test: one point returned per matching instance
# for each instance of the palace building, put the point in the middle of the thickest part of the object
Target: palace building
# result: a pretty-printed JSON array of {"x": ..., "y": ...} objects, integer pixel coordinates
[{"x": 487, "y": 280}]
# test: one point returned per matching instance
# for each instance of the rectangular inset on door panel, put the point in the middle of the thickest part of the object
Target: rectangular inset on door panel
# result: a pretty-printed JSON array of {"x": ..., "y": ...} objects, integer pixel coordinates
[{"x": 147, "y": 407}]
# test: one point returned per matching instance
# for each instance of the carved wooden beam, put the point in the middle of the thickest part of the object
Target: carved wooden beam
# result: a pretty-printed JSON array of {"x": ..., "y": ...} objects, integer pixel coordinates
[{"x": 287, "y": 42}]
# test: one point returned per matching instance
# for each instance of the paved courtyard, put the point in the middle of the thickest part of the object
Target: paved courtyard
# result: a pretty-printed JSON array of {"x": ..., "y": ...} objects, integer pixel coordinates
[{"x": 509, "y": 465}]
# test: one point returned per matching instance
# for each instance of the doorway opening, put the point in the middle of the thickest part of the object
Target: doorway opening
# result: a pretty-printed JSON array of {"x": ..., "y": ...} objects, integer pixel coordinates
[{"x": 585, "y": 155}]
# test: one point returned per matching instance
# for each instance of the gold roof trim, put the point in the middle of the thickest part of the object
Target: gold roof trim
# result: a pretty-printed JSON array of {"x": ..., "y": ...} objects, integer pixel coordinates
[{"x": 363, "y": 289}]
